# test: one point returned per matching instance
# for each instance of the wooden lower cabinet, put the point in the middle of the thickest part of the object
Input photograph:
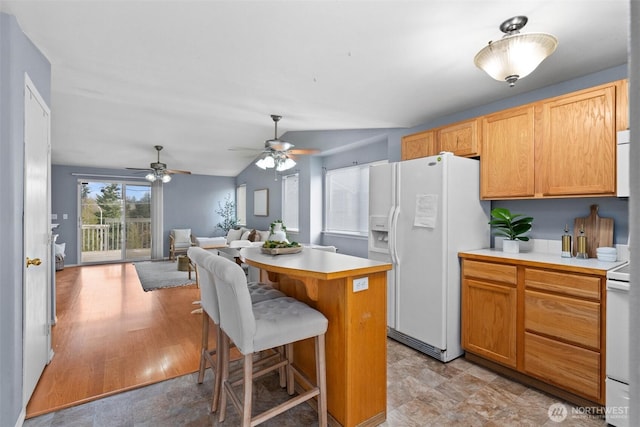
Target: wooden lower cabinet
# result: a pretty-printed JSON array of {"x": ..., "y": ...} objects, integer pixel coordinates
[
  {"x": 489, "y": 324},
  {"x": 541, "y": 322}
]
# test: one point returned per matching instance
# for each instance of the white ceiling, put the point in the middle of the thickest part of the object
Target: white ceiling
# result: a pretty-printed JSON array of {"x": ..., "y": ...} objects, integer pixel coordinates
[{"x": 202, "y": 77}]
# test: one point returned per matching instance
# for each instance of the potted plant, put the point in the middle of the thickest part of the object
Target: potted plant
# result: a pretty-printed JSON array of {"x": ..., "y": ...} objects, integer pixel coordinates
[
  {"x": 228, "y": 214},
  {"x": 511, "y": 226}
]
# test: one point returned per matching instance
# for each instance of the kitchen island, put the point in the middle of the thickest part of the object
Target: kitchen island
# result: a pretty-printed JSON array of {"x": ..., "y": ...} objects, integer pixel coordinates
[{"x": 351, "y": 293}]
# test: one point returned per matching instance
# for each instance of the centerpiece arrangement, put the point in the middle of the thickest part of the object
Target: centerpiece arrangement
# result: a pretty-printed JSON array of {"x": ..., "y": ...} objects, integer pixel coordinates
[{"x": 278, "y": 243}]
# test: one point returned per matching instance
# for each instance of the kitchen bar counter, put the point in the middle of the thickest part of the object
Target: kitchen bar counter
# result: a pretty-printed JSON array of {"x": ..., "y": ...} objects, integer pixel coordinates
[{"x": 351, "y": 293}]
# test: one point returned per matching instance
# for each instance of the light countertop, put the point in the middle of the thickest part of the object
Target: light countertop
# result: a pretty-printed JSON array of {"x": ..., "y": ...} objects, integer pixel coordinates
[
  {"x": 543, "y": 258},
  {"x": 313, "y": 262}
]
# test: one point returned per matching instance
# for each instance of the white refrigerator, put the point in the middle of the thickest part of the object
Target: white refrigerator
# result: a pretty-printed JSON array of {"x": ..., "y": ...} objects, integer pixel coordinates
[{"x": 422, "y": 212}]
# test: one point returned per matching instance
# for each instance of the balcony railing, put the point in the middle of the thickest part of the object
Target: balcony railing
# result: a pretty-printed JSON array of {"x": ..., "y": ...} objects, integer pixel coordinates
[{"x": 109, "y": 236}]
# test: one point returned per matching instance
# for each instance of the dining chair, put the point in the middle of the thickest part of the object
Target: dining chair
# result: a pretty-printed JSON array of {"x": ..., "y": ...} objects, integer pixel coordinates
[{"x": 261, "y": 326}]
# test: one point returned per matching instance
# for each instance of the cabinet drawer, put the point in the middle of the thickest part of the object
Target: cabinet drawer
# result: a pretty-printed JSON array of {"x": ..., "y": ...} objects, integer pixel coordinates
[
  {"x": 565, "y": 283},
  {"x": 571, "y": 368},
  {"x": 569, "y": 319},
  {"x": 490, "y": 271}
]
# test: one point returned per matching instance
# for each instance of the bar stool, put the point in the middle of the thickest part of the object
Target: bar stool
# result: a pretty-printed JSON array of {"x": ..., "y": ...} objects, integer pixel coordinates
[
  {"x": 261, "y": 326},
  {"x": 259, "y": 292}
]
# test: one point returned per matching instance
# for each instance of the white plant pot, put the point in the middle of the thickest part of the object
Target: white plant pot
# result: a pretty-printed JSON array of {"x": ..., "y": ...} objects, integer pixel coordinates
[{"x": 511, "y": 246}]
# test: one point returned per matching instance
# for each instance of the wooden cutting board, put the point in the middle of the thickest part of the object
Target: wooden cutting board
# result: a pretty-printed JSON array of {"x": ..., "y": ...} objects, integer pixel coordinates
[{"x": 599, "y": 231}]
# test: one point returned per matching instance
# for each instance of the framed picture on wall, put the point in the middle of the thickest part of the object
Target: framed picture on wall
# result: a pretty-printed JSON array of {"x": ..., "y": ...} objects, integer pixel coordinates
[{"x": 261, "y": 202}]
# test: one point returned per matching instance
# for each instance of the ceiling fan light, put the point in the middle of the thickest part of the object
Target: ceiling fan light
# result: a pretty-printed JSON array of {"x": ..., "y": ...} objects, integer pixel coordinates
[
  {"x": 151, "y": 177},
  {"x": 269, "y": 162},
  {"x": 516, "y": 55},
  {"x": 286, "y": 164},
  {"x": 260, "y": 164},
  {"x": 166, "y": 178}
]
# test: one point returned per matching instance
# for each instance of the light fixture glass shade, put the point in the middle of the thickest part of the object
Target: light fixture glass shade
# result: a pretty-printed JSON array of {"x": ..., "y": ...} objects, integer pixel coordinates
[
  {"x": 260, "y": 164},
  {"x": 150, "y": 177},
  {"x": 286, "y": 164},
  {"x": 269, "y": 162},
  {"x": 166, "y": 178},
  {"x": 515, "y": 56}
]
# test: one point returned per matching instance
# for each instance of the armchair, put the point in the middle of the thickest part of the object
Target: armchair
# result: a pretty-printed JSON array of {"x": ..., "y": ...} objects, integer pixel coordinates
[{"x": 180, "y": 240}]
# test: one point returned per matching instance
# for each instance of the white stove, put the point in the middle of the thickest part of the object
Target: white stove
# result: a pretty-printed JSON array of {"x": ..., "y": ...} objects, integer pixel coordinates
[
  {"x": 617, "y": 397},
  {"x": 620, "y": 274}
]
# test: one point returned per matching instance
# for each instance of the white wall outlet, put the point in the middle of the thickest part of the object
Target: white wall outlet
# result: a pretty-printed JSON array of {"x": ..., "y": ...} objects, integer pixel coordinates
[
  {"x": 361, "y": 284},
  {"x": 65, "y": 216}
]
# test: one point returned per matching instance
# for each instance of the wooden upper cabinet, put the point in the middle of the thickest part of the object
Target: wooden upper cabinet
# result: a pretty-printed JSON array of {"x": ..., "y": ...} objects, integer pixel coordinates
[
  {"x": 507, "y": 160},
  {"x": 622, "y": 104},
  {"x": 461, "y": 139},
  {"x": 417, "y": 145},
  {"x": 576, "y": 145}
]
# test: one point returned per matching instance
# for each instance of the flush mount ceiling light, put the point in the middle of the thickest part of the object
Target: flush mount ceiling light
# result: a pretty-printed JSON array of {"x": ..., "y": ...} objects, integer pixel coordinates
[{"x": 515, "y": 55}]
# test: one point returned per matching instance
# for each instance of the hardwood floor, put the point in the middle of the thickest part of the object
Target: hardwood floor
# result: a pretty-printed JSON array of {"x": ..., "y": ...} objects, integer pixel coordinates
[{"x": 112, "y": 336}]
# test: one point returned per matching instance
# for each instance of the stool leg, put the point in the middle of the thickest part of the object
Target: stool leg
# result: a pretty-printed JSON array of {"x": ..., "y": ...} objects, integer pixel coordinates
[
  {"x": 224, "y": 354},
  {"x": 321, "y": 380},
  {"x": 205, "y": 346},
  {"x": 248, "y": 390},
  {"x": 289, "y": 352},
  {"x": 219, "y": 361}
]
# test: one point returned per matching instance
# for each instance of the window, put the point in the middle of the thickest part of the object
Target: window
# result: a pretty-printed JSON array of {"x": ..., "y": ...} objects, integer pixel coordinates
[
  {"x": 241, "y": 204},
  {"x": 290, "y": 202},
  {"x": 347, "y": 200}
]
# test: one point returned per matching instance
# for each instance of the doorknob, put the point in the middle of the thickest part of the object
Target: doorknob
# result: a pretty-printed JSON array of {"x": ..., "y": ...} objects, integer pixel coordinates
[{"x": 35, "y": 261}]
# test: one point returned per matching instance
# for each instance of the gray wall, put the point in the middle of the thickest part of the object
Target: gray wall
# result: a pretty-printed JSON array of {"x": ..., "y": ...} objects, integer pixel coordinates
[
  {"x": 17, "y": 56},
  {"x": 190, "y": 201}
]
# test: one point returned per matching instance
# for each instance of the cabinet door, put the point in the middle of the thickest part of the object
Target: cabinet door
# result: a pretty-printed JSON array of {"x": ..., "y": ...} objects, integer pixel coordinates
[
  {"x": 489, "y": 320},
  {"x": 507, "y": 154},
  {"x": 461, "y": 138},
  {"x": 419, "y": 145},
  {"x": 622, "y": 105},
  {"x": 577, "y": 145}
]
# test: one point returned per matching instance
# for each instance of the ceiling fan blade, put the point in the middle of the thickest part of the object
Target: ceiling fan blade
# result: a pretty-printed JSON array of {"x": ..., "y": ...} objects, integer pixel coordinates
[
  {"x": 302, "y": 151},
  {"x": 245, "y": 149},
  {"x": 140, "y": 169},
  {"x": 177, "y": 171}
]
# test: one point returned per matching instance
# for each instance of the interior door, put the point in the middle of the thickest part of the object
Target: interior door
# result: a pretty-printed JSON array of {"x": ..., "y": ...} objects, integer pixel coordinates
[{"x": 37, "y": 236}]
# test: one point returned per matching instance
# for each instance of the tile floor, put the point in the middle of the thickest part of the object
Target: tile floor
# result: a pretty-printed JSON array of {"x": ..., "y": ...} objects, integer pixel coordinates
[{"x": 421, "y": 392}]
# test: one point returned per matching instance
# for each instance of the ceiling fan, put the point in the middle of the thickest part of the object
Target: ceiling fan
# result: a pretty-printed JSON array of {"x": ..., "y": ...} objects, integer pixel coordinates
[
  {"x": 158, "y": 170},
  {"x": 280, "y": 154}
]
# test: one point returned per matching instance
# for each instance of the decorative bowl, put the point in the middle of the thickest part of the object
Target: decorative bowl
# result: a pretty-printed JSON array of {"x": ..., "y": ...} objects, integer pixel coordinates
[{"x": 281, "y": 251}]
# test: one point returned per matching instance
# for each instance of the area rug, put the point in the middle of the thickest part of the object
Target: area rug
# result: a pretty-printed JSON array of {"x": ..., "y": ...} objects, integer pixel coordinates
[{"x": 162, "y": 274}]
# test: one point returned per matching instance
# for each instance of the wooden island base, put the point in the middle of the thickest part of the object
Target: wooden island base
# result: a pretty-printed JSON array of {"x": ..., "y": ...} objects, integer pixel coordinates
[{"x": 356, "y": 348}]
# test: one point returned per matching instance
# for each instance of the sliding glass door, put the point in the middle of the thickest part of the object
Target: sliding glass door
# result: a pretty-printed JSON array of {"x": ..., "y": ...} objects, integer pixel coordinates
[{"x": 115, "y": 221}]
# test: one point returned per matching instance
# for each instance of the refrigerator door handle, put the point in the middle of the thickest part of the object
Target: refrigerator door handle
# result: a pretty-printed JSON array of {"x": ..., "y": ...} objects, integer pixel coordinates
[{"x": 392, "y": 232}]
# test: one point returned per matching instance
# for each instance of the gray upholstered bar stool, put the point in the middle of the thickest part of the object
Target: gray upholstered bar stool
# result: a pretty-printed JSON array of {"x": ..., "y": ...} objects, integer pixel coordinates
[
  {"x": 261, "y": 326},
  {"x": 259, "y": 292}
]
